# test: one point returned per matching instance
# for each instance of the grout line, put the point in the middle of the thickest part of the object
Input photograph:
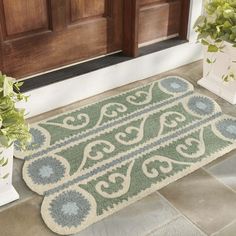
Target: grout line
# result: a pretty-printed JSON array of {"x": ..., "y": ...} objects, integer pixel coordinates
[
  {"x": 225, "y": 158},
  {"x": 163, "y": 224},
  {"x": 231, "y": 223},
  {"x": 17, "y": 203},
  {"x": 219, "y": 180},
  {"x": 195, "y": 225},
  {"x": 221, "y": 183}
]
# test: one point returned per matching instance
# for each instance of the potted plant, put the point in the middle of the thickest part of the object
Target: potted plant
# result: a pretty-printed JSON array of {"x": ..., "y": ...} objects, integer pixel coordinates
[
  {"x": 13, "y": 128},
  {"x": 216, "y": 30}
]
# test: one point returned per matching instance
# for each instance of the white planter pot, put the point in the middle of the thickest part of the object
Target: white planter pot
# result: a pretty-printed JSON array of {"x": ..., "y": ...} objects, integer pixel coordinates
[
  {"x": 212, "y": 73},
  {"x": 7, "y": 191}
]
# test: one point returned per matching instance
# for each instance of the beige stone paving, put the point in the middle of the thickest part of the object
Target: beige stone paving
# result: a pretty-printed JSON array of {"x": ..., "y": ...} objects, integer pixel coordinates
[{"x": 204, "y": 200}]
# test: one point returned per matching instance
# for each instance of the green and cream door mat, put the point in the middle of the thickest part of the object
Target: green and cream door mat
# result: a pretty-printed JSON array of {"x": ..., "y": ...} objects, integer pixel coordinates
[{"x": 93, "y": 161}]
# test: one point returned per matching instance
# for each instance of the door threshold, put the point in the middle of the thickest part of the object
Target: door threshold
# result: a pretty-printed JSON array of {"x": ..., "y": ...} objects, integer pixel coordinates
[
  {"x": 78, "y": 69},
  {"x": 66, "y": 66}
]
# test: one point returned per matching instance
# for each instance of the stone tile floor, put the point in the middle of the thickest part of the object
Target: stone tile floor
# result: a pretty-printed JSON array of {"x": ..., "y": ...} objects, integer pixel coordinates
[{"x": 203, "y": 203}]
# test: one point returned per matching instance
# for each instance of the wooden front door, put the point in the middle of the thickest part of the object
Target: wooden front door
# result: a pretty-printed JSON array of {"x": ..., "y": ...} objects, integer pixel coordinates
[{"x": 38, "y": 35}]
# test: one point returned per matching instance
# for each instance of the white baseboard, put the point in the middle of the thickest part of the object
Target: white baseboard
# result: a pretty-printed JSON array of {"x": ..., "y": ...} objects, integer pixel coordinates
[{"x": 77, "y": 88}]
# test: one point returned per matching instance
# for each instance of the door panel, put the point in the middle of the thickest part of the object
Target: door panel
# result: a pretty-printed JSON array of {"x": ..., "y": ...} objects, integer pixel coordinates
[
  {"x": 83, "y": 8},
  {"x": 21, "y": 18},
  {"x": 53, "y": 33},
  {"x": 159, "y": 19}
]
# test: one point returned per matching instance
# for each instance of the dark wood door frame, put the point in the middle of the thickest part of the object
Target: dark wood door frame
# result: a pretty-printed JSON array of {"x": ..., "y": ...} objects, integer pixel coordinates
[
  {"x": 184, "y": 19},
  {"x": 130, "y": 27}
]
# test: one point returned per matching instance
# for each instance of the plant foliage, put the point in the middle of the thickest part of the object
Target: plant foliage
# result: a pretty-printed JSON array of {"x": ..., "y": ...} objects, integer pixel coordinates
[
  {"x": 12, "y": 119},
  {"x": 217, "y": 24}
]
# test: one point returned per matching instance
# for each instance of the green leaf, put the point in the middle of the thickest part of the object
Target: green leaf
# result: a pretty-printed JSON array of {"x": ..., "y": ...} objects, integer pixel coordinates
[
  {"x": 204, "y": 42},
  {"x": 210, "y": 61},
  {"x": 225, "y": 78},
  {"x": 234, "y": 29},
  {"x": 212, "y": 48},
  {"x": 199, "y": 21},
  {"x": 201, "y": 36},
  {"x": 227, "y": 24},
  {"x": 7, "y": 87},
  {"x": 12, "y": 120},
  {"x": 19, "y": 84},
  {"x": 232, "y": 76},
  {"x": 218, "y": 41},
  {"x": 5, "y": 163},
  {"x": 2, "y": 161},
  {"x": 5, "y": 176},
  {"x": 218, "y": 21}
]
